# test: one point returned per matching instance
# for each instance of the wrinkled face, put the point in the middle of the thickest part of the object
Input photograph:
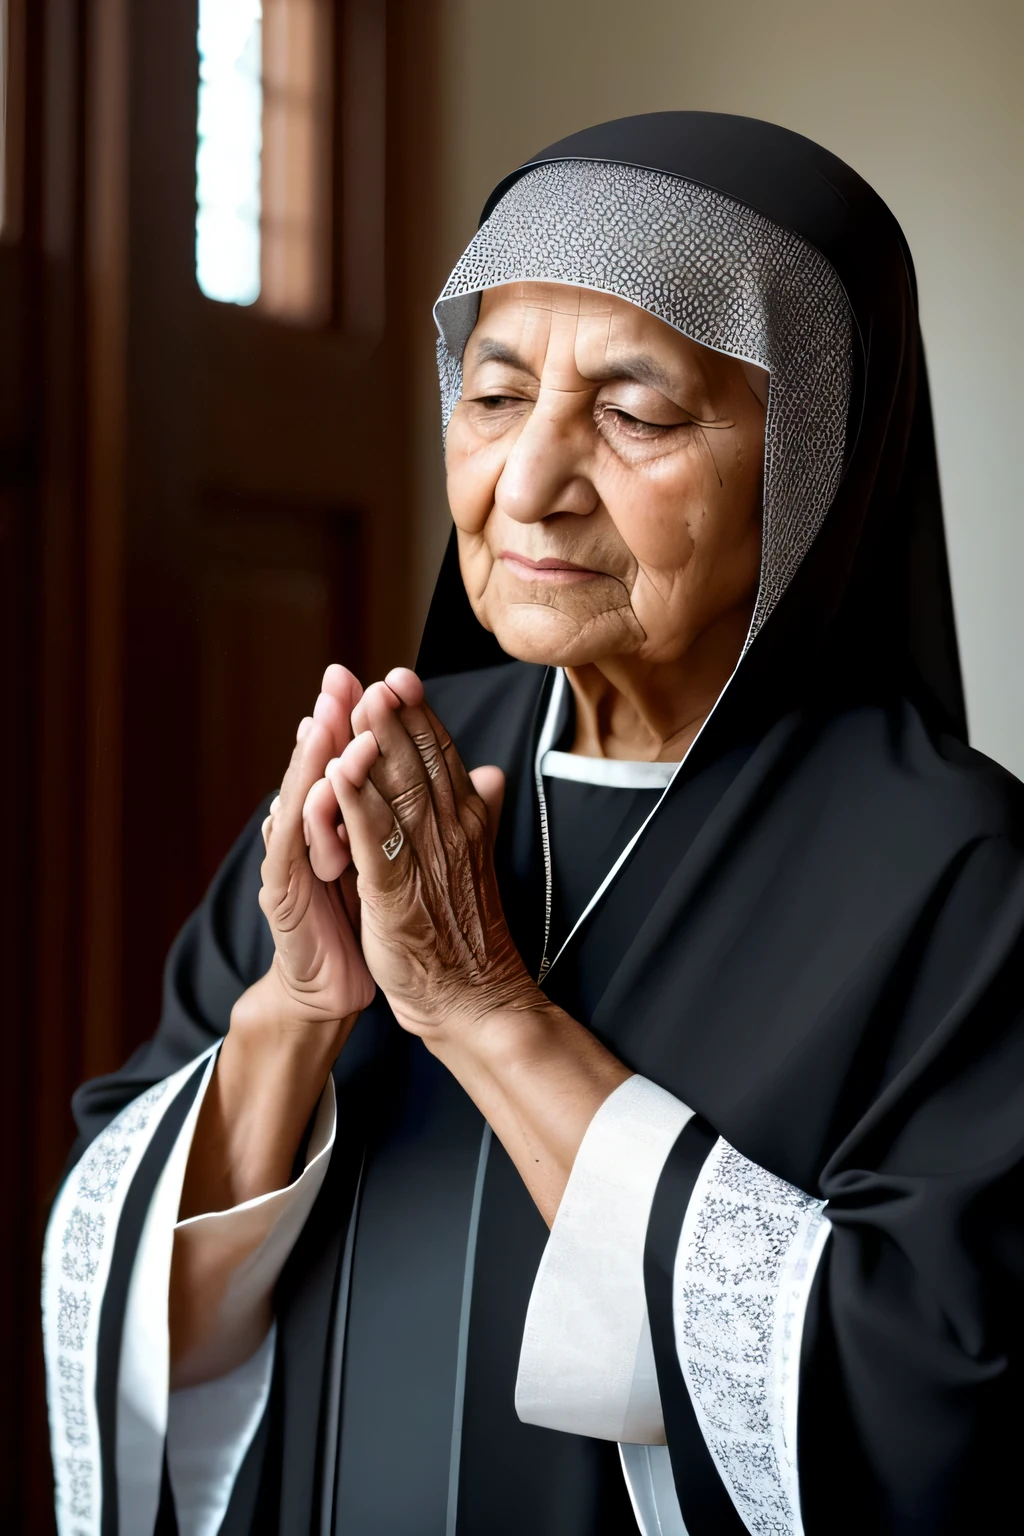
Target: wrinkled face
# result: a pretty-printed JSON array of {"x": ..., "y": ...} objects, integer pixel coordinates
[{"x": 604, "y": 474}]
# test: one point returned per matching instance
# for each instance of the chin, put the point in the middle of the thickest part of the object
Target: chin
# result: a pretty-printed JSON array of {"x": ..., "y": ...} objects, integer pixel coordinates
[{"x": 548, "y": 639}]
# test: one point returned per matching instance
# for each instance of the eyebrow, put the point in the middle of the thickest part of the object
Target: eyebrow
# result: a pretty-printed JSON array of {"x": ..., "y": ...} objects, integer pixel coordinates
[{"x": 639, "y": 366}]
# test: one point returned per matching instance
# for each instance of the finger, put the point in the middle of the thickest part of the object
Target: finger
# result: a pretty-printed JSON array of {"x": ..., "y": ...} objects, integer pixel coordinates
[
  {"x": 344, "y": 687},
  {"x": 265, "y": 829},
  {"x": 394, "y": 716},
  {"x": 287, "y": 842},
  {"x": 453, "y": 762},
  {"x": 328, "y": 854},
  {"x": 343, "y": 684},
  {"x": 473, "y": 809},
  {"x": 304, "y": 725},
  {"x": 489, "y": 783},
  {"x": 406, "y": 762},
  {"x": 376, "y": 696},
  {"x": 333, "y": 714},
  {"x": 410, "y": 772},
  {"x": 449, "y": 833},
  {"x": 369, "y": 820},
  {"x": 404, "y": 682},
  {"x": 359, "y": 757}
]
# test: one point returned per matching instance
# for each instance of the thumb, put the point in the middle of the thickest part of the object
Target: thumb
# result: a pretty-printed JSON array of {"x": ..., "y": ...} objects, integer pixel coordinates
[{"x": 489, "y": 783}]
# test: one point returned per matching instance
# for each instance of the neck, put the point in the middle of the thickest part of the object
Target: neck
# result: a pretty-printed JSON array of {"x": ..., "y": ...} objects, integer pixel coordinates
[{"x": 651, "y": 711}]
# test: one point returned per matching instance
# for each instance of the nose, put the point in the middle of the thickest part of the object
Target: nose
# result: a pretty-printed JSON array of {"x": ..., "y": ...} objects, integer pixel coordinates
[{"x": 546, "y": 469}]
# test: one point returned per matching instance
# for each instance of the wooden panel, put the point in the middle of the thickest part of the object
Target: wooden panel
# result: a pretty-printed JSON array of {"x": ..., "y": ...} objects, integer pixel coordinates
[
  {"x": 13, "y": 401},
  {"x": 281, "y": 597},
  {"x": 12, "y": 108},
  {"x": 199, "y": 508},
  {"x": 19, "y": 1350}
]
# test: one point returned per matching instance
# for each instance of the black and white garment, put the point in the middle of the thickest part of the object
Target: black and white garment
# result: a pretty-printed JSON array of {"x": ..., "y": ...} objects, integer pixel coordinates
[{"x": 782, "y": 1292}]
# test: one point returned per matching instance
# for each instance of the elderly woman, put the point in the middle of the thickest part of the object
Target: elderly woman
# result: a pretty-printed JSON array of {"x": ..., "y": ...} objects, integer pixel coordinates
[{"x": 711, "y": 964}]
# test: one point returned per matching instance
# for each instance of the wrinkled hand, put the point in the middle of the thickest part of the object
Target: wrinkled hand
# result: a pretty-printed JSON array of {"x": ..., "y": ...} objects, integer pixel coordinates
[
  {"x": 433, "y": 932},
  {"x": 318, "y": 975}
]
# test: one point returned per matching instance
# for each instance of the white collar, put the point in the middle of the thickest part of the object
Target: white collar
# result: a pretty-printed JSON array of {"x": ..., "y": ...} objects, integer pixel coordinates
[{"x": 616, "y": 774}]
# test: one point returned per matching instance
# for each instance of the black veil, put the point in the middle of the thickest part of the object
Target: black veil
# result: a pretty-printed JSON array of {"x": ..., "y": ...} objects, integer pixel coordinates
[
  {"x": 869, "y": 614},
  {"x": 825, "y": 960}
]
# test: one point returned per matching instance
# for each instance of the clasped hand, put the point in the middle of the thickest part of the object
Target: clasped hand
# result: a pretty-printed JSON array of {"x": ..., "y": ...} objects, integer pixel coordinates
[{"x": 381, "y": 842}]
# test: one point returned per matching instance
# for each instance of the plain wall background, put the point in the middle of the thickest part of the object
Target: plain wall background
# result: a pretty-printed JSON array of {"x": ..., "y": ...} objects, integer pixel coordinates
[{"x": 923, "y": 98}]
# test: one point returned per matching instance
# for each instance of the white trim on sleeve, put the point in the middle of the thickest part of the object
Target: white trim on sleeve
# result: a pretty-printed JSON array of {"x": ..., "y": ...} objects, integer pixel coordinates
[
  {"x": 249, "y": 1246},
  {"x": 747, "y": 1255},
  {"x": 586, "y": 1365},
  {"x": 77, "y": 1253},
  {"x": 652, "y": 1489},
  {"x": 211, "y": 1425},
  {"x": 76, "y": 1267},
  {"x": 748, "y": 1252},
  {"x": 144, "y": 1367},
  {"x": 209, "y": 1430}
]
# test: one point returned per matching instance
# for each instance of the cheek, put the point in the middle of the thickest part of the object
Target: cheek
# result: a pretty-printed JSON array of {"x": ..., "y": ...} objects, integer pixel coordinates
[
  {"x": 696, "y": 542},
  {"x": 655, "y": 515},
  {"x": 472, "y": 472}
]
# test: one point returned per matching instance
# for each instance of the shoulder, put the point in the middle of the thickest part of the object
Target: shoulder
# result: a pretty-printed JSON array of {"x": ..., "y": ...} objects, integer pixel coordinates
[
  {"x": 886, "y": 763},
  {"x": 488, "y": 712}
]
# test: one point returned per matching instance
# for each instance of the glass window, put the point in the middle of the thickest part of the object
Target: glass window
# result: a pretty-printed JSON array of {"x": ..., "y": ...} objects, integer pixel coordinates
[
  {"x": 228, "y": 156},
  {"x": 263, "y": 170}
]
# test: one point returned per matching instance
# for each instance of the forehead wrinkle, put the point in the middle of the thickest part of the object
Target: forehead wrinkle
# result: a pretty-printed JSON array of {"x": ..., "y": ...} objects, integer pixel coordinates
[
  {"x": 593, "y": 329},
  {"x": 638, "y": 366}
]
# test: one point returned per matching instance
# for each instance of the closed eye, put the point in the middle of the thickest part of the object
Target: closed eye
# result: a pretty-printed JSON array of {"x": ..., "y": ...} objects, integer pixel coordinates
[
  {"x": 495, "y": 402},
  {"x": 635, "y": 426}
]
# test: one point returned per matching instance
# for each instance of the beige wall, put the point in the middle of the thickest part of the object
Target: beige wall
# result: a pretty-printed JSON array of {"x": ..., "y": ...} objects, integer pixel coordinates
[{"x": 924, "y": 98}]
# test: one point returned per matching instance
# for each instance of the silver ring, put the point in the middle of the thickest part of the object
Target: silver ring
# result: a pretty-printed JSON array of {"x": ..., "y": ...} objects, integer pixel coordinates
[{"x": 392, "y": 846}]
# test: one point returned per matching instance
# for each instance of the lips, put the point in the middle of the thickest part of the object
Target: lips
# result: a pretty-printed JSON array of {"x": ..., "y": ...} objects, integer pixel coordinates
[{"x": 548, "y": 569}]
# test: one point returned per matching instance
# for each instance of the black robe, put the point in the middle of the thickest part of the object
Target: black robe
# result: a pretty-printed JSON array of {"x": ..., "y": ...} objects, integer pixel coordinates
[{"x": 816, "y": 945}]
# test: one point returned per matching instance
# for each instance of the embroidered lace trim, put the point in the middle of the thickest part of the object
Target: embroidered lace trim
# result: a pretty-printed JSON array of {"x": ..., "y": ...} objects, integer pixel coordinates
[
  {"x": 76, "y": 1266},
  {"x": 748, "y": 1252}
]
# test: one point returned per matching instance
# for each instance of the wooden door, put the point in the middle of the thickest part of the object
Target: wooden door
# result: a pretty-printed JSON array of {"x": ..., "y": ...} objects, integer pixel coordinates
[{"x": 201, "y": 504}]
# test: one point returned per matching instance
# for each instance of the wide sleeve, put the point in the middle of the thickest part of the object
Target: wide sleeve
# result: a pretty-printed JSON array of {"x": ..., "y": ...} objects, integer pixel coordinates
[
  {"x": 124, "y": 1177},
  {"x": 235, "y": 1258},
  {"x": 843, "y": 1357},
  {"x": 669, "y": 1306},
  {"x": 847, "y": 1359}
]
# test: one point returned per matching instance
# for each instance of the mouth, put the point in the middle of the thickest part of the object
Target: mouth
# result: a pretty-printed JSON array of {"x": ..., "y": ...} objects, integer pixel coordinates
[{"x": 564, "y": 572}]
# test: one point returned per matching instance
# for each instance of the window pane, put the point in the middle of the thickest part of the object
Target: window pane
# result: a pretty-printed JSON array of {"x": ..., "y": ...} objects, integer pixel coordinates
[{"x": 228, "y": 157}]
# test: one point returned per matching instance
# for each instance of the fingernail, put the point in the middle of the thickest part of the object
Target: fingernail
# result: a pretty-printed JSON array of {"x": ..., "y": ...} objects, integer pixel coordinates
[{"x": 305, "y": 725}]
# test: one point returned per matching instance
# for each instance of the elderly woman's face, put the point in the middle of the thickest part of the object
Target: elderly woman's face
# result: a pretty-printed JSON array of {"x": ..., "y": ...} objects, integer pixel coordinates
[{"x": 604, "y": 474}]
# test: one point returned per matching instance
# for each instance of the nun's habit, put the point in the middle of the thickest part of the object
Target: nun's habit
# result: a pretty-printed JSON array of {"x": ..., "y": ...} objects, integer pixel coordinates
[{"x": 792, "y": 1246}]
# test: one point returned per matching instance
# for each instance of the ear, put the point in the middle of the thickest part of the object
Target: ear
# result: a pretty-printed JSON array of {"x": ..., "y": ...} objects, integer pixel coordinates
[{"x": 489, "y": 783}]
